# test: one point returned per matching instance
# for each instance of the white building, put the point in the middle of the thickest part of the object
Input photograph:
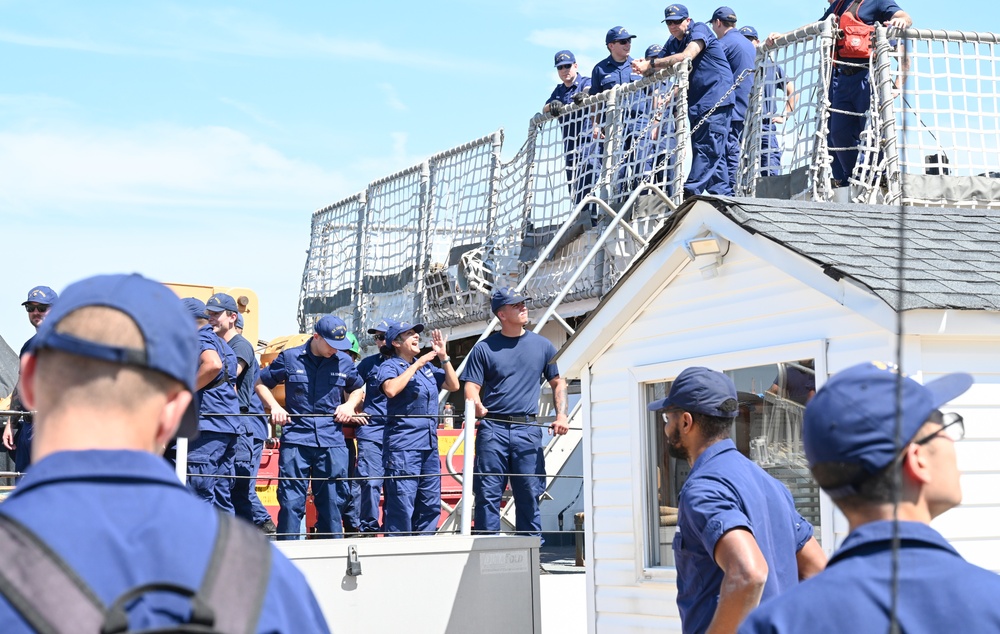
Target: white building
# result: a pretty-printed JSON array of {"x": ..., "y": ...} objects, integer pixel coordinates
[{"x": 788, "y": 282}]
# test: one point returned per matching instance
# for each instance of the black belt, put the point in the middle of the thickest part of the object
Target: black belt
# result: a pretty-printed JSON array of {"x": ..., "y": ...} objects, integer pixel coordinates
[
  {"x": 852, "y": 70},
  {"x": 527, "y": 418}
]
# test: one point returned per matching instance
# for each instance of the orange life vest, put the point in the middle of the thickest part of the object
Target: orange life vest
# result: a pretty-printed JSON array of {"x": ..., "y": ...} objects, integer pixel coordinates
[{"x": 855, "y": 41}]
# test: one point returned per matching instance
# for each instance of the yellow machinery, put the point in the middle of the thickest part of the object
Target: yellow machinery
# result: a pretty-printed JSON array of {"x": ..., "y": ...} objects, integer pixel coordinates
[{"x": 246, "y": 301}]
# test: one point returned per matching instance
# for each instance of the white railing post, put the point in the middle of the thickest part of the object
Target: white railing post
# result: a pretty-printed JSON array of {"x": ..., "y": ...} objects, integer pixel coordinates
[
  {"x": 181, "y": 459},
  {"x": 470, "y": 454}
]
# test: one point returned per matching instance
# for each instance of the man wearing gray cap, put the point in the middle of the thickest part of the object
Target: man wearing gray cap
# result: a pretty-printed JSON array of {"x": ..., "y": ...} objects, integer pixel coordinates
[
  {"x": 880, "y": 446},
  {"x": 740, "y": 541},
  {"x": 111, "y": 375}
]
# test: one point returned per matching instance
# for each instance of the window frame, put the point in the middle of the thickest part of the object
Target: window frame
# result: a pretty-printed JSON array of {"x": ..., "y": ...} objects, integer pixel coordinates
[{"x": 643, "y": 461}]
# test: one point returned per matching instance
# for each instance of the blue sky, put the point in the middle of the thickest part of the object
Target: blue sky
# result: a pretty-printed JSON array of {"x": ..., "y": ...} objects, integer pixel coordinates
[{"x": 191, "y": 141}]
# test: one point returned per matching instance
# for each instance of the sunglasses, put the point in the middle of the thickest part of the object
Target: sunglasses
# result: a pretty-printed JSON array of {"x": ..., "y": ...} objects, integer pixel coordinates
[
  {"x": 564, "y": 67},
  {"x": 624, "y": 42},
  {"x": 35, "y": 308},
  {"x": 378, "y": 337},
  {"x": 674, "y": 21}
]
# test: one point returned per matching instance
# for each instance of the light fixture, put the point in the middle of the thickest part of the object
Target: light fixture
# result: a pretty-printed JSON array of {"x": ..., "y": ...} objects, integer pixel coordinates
[{"x": 707, "y": 253}]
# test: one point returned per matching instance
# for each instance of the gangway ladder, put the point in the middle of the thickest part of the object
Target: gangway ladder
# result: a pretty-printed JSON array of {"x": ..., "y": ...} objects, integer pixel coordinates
[{"x": 561, "y": 448}]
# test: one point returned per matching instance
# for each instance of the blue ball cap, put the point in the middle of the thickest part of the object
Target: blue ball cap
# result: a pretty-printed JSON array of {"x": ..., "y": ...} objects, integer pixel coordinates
[
  {"x": 220, "y": 302},
  {"x": 399, "y": 327},
  {"x": 852, "y": 419},
  {"x": 749, "y": 32},
  {"x": 334, "y": 332},
  {"x": 675, "y": 12},
  {"x": 41, "y": 295},
  {"x": 565, "y": 57},
  {"x": 653, "y": 51},
  {"x": 171, "y": 345},
  {"x": 382, "y": 326},
  {"x": 726, "y": 14},
  {"x": 504, "y": 296},
  {"x": 701, "y": 390},
  {"x": 616, "y": 33},
  {"x": 195, "y": 307},
  {"x": 239, "y": 320}
]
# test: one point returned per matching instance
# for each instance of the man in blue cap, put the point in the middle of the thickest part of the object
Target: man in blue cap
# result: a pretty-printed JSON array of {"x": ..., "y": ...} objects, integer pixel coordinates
[
  {"x": 316, "y": 376},
  {"x": 657, "y": 150},
  {"x": 578, "y": 143},
  {"x": 501, "y": 377},
  {"x": 212, "y": 454},
  {"x": 111, "y": 375},
  {"x": 880, "y": 446},
  {"x": 740, "y": 540},
  {"x": 773, "y": 113},
  {"x": 223, "y": 314},
  {"x": 370, "y": 434},
  {"x": 740, "y": 54},
  {"x": 710, "y": 102},
  {"x": 40, "y": 300}
]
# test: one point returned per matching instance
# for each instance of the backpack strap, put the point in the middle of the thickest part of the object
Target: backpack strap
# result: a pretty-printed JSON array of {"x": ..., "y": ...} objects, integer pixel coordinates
[
  {"x": 236, "y": 580},
  {"x": 41, "y": 586}
]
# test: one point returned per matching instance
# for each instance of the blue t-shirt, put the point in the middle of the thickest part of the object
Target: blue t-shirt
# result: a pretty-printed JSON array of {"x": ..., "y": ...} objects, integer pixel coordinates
[
  {"x": 405, "y": 429},
  {"x": 509, "y": 370},
  {"x": 740, "y": 53},
  {"x": 726, "y": 491},
  {"x": 609, "y": 73},
  {"x": 938, "y": 590},
  {"x": 113, "y": 516},
  {"x": 219, "y": 396},
  {"x": 374, "y": 399},
  {"x": 249, "y": 401},
  {"x": 313, "y": 385},
  {"x": 710, "y": 76}
]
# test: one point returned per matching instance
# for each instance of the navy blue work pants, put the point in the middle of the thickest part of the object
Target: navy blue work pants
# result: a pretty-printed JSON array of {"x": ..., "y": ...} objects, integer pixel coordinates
[
  {"x": 505, "y": 448},
  {"x": 412, "y": 504},
  {"x": 371, "y": 468},
  {"x": 301, "y": 462},
  {"x": 733, "y": 142},
  {"x": 709, "y": 169},
  {"x": 246, "y": 502},
  {"x": 851, "y": 93},
  {"x": 211, "y": 465}
]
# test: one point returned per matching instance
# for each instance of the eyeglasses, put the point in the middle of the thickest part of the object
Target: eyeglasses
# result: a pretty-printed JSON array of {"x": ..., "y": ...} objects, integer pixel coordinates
[
  {"x": 952, "y": 427},
  {"x": 564, "y": 67},
  {"x": 378, "y": 337},
  {"x": 663, "y": 414},
  {"x": 35, "y": 308}
]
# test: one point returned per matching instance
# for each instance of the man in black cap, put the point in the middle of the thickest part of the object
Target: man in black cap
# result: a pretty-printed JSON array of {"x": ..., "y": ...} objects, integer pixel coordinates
[{"x": 740, "y": 540}]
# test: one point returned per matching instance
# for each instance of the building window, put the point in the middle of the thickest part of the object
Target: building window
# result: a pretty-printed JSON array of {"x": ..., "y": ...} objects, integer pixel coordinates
[{"x": 768, "y": 430}]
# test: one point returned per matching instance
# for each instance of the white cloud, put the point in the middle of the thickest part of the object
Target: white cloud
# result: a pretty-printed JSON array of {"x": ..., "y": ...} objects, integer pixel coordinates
[
  {"x": 251, "y": 112},
  {"x": 392, "y": 97}
]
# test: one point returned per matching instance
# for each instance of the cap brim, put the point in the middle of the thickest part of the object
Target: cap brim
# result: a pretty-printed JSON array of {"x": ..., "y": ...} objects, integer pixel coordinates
[
  {"x": 660, "y": 404},
  {"x": 214, "y": 309},
  {"x": 375, "y": 331},
  {"x": 948, "y": 388},
  {"x": 342, "y": 345},
  {"x": 189, "y": 422}
]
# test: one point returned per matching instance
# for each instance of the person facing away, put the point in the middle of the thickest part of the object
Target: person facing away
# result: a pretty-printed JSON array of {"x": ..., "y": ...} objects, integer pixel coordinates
[
  {"x": 111, "y": 375},
  {"x": 739, "y": 541},
  {"x": 850, "y": 439}
]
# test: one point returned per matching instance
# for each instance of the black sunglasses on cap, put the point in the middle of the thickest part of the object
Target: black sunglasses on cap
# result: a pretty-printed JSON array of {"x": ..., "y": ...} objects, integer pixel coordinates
[{"x": 36, "y": 308}]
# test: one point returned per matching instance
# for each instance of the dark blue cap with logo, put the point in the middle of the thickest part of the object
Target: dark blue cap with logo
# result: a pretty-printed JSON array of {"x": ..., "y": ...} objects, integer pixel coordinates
[
  {"x": 41, "y": 295},
  {"x": 382, "y": 326},
  {"x": 617, "y": 33},
  {"x": 701, "y": 390},
  {"x": 239, "y": 320},
  {"x": 195, "y": 307},
  {"x": 565, "y": 57},
  {"x": 653, "y": 51},
  {"x": 399, "y": 327},
  {"x": 749, "y": 32},
  {"x": 726, "y": 14},
  {"x": 334, "y": 332},
  {"x": 220, "y": 302},
  {"x": 675, "y": 12},
  {"x": 852, "y": 418},
  {"x": 504, "y": 296},
  {"x": 171, "y": 346}
]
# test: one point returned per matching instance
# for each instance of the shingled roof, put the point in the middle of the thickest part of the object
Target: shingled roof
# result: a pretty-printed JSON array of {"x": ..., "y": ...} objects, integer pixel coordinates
[{"x": 951, "y": 255}]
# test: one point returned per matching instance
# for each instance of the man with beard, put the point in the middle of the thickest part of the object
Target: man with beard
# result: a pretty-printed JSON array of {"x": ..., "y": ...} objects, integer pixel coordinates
[{"x": 739, "y": 539}]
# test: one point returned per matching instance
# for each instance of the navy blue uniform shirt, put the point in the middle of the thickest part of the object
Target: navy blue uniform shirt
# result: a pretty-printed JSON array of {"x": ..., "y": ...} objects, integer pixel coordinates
[
  {"x": 564, "y": 93},
  {"x": 510, "y": 371},
  {"x": 220, "y": 398},
  {"x": 726, "y": 491},
  {"x": 313, "y": 385},
  {"x": 740, "y": 53},
  {"x": 121, "y": 519},
  {"x": 374, "y": 399},
  {"x": 710, "y": 76},
  {"x": 938, "y": 590},
  {"x": 405, "y": 430},
  {"x": 249, "y": 401},
  {"x": 609, "y": 73}
]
